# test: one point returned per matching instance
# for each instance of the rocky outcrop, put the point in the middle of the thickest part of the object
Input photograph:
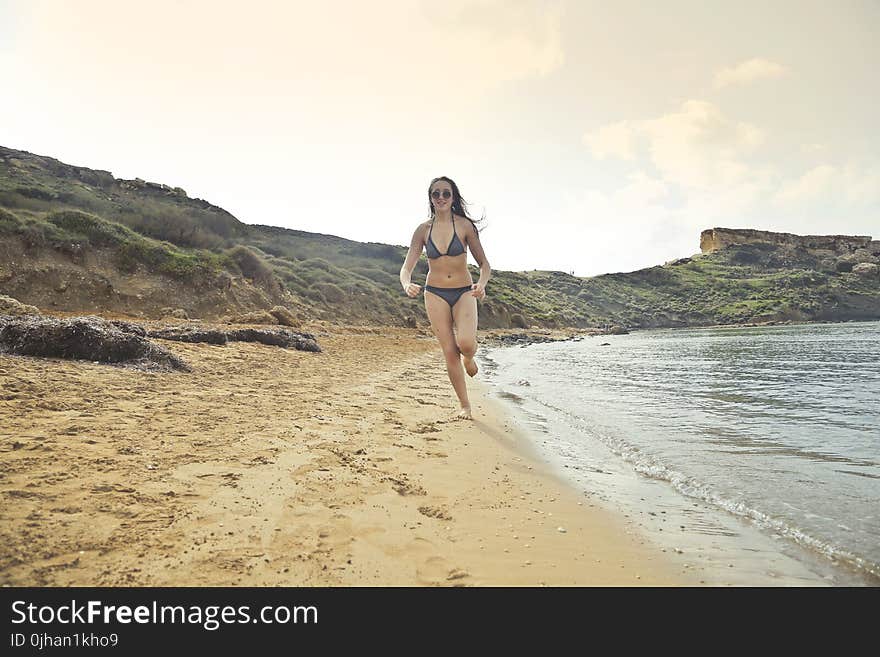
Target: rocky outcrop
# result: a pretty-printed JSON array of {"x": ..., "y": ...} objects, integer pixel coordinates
[
  {"x": 865, "y": 255},
  {"x": 10, "y": 306},
  {"x": 174, "y": 313},
  {"x": 845, "y": 263},
  {"x": 138, "y": 183},
  {"x": 518, "y": 339},
  {"x": 518, "y": 321},
  {"x": 866, "y": 269},
  {"x": 715, "y": 239},
  {"x": 84, "y": 338},
  {"x": 524, "y": 338},
  {"x": 284, "y": 316}
]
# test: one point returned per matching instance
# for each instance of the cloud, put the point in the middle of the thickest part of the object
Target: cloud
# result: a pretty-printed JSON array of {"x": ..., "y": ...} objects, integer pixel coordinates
[
  {"x": 616, "y": 140},
  {"x": 696, "y": 147},
  {"x": 810, "y": 186},
  {"x": 699, "y": 147},
  {"x": 693, "y": 168},
  {"x": 641, "y": 191},
  {"x": 851, "y": 185},
  {"x": 861, "y": 186},
  {"x": 499, "y": 39},
  {"x": 696, "y": 167},
  {"x": 748, "y": 72},
  {"x": 814, "y": 147},
  {"x": 301, "y": 53}
]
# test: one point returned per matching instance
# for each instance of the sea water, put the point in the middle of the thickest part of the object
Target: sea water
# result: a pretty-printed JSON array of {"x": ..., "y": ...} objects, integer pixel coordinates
[{"x": 753, "y": 453}]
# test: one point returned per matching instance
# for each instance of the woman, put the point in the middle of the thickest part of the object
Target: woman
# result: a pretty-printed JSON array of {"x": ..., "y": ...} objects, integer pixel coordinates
[{"x": 450, "y": 293}]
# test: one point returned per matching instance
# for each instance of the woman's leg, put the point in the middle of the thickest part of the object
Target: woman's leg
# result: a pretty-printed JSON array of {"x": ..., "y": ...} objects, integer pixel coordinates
[
  {"x": 464, "y": 317},
  {"x": 441, "y": 324}
]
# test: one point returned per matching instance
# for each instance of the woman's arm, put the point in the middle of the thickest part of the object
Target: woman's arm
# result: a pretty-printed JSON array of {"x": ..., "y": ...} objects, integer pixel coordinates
[
  {"x": 473, "y": 241},
  {"x": 412, "y": 257}
]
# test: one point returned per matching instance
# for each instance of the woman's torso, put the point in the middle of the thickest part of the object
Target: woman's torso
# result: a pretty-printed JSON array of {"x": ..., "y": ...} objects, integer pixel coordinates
[{"x": 447, "y": 270}]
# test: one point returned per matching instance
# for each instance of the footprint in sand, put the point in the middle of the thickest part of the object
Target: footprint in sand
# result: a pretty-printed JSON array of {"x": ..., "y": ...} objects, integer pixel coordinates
[
  {"x": 434, "y": 512},
  {"x": 426, "y": 427},
  {"x": 391, "y": 418},
  {"x": 436, "y": 570},
  {"x": 405, "y": 487}
]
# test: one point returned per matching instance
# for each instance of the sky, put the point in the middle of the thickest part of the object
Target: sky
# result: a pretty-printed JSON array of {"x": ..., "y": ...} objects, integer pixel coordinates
[{"x": 596, "y": 137}]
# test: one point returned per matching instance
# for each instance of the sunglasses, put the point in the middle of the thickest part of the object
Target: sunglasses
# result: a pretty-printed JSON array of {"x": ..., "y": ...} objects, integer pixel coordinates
[{"x": 436, "y": 193}]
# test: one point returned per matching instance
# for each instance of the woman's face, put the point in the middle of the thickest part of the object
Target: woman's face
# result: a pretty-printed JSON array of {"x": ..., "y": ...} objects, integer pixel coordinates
[{"x": 441, "y": 195}]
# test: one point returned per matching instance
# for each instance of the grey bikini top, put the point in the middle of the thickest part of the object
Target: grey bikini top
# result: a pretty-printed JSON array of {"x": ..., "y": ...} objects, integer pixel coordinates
[{"x": 455, "y": 246}]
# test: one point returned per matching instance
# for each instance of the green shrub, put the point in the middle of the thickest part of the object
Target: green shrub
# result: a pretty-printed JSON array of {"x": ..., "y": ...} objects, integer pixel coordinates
[
  {"x": 37, "y": 193},
  {"x": 332, "y": 293},
  {"x": 292, "y": 281},
  {"x": 249, "y": 263},
  {"x": 96, "y": 230},
  {"x": 180, "y": 265},
  {"x": 33, "y": 232},
  {"x": 377, "y": 275},
  {"x": 318, "y": 263},
  {"x": 9, "y": 223}
]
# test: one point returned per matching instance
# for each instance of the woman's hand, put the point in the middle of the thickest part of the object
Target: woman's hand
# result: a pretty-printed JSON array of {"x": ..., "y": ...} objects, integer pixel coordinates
[
  {"x": 412, "y": 290},
  {"x": 478, "y": 291}
]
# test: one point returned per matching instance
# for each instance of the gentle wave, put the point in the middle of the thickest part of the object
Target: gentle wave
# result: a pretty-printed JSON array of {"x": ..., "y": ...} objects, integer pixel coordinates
[
  {"x": 751, "y": 422},
  {"x": 690, "y": 486}
]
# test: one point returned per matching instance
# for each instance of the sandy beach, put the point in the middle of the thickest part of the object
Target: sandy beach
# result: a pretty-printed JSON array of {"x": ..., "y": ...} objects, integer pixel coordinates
[{"x": 266, "y": 467}]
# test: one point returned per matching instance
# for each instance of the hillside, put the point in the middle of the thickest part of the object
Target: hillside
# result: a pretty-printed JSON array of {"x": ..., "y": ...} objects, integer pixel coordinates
[{"x": 77, "y": 239}]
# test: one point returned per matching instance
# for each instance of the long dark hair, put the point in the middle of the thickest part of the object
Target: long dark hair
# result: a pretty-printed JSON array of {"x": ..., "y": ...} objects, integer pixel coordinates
[{"x": 459, "y": 205}]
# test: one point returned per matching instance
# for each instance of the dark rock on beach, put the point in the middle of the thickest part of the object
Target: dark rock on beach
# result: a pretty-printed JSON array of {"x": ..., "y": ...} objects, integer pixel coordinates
[
  {"x": 84, "y": 338},
  {"x": 276, "y": 337},
  {"x": 129, "y": 327},
  {"x": 190, "y": 334},
  {"x": 520, "y": 339}
]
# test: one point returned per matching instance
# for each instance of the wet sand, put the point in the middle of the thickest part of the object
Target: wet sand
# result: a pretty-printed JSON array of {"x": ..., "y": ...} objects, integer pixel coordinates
[{"x": 266, "y": 466}]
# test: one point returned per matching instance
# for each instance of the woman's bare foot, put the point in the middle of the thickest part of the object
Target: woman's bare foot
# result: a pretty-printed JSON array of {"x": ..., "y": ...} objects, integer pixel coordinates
[
  {"x": 470, "y": 366},
  {"x": 465, "y": 414}
]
